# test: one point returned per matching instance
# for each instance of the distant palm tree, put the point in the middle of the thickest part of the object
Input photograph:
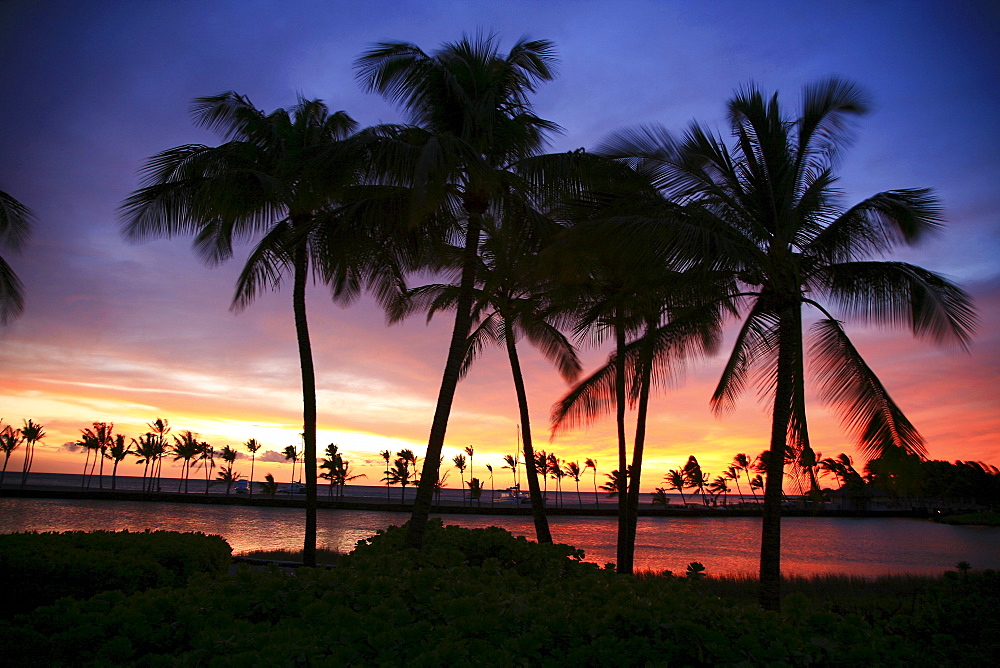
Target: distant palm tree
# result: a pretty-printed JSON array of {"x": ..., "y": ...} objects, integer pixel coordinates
[
  {"x": 206, "y": 459},
  {"x": 768, "y": 207},
  {"x": 469, "y": 450},
  {"x": 253, "y": 446},
  {"x": 228, "y": 455},
  {"x": 718, "y": 486},
  {"x": 186, "y": 449},
  {"x": 98, "y": 438},
  {"x": 10, "y": 440},
  {"x": 574, "y": 471},
  {"x": 269, "y": 486},
  {"x": 291, "y": 453},
  {"x": 489, "y": 467},
  {"x": 118, "y": 451},
  {"x": 512, "y": 462},
  {"x": 387, "y": 456},
  {"x": 592, "y": 464},
  {"x": 676, "y": 479},
  {"x": 732, "y": 473},
  {"x": 15, "y": 227},
  {"x": 459, "y": 461},
  {"x": 476, "y": 491},
  {"x": 32, "y": 433},
  {"x": 161, "y": 428},
  {"x": 696, "y": 477},
  {"x": 148, "y": 447}
]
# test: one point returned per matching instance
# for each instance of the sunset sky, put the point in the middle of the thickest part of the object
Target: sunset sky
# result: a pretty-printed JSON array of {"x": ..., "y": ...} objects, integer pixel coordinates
[{"x": 127, "y": 333}]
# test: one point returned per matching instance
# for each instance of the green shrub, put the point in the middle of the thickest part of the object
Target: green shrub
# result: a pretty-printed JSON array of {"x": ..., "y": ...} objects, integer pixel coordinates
[{"x": 39, "y": 568}]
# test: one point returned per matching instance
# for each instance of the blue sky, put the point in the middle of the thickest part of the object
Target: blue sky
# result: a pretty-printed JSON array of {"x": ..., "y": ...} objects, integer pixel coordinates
[{"x": 130, "y": 332}]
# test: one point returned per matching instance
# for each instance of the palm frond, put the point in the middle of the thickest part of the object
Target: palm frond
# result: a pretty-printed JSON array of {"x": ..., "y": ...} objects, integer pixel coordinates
[
  {"x": 756, "y": 343},
  {"x": 865, "y": 408},
  {"x": 901, "y": 294}
]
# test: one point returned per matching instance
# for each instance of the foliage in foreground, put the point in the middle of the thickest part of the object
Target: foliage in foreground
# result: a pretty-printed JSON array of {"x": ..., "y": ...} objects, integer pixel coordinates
[
  {"x": 482, "y": 596},
  {"x": 40, "y": 568}
]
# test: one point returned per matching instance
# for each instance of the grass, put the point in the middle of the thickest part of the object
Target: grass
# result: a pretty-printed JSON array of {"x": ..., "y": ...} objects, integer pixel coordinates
[{"x": 990, "y": 519}]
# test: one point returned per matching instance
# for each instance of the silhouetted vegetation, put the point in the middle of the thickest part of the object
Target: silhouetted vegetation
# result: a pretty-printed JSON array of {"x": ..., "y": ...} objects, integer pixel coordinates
[{"x": 483, "y": 597}]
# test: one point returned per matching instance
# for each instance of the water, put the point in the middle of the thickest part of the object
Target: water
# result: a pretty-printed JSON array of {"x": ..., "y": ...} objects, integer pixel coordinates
[{"x": 725, "y": 545}]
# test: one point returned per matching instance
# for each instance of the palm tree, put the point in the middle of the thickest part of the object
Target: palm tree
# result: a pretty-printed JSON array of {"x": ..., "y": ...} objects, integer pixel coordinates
[
  {"x": 269, "y": 486},
  {"x": 555, "y": 470},
  {"x": 32, "y": 433},
  {"x": 186, "y": 448},
  {"x": 206, "y": 459},
  {"x": 476, "y": 491},
  {"x": 512, "y": 462},
  {"x": 293, "y": 454},
  {"x": 118, "y": 451},
  {"x": 160, "y": 428},
  {"x": 512, "y": 300},
  {"x": 592, "y": 464},
  {"x": 386, "y": 455},
  {"x": 742, "y": 462},
  {"x": 15, "y": 227},
  {"x": 695, "y": 477},
  {"x": 472, "y": 154},
  {"x": 676, "y": 479},
  {"x": 732, "y": 473},
  {"x": 10, "y": 440},
  {"x": 768, "y": 208},
  {"x": 469, "y": 450},
  {"x": 279, "y": 178},
  {"x": 148, "y": 448},
  {"x": 459, "y": 461},
  {"x": 226, "y": 474},
  {"x": 253, "y": 446},
  {"x": 98, "y": 438},
  {"x": 718, "y": 486},
  {"x": 489, "y": 467},
  {"x": 574, "y": 471}
]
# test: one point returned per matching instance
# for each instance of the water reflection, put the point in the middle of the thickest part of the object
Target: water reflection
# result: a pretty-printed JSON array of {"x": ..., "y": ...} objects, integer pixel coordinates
[{"x": 866, "y": 547}]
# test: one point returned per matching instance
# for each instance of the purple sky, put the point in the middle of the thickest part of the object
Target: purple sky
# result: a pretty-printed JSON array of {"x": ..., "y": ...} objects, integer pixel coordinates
[{"x": 126, "y": 333}]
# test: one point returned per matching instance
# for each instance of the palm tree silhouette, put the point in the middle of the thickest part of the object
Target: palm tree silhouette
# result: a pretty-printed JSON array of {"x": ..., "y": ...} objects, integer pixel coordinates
[
  {"x": 186, "y": 449},
  {"x": 280, "y": 178},
  {"x": 293, "y": 454},
  {"x": 592, "y": 464},
  {"x": 768, "y": 208},
  {"x": 118, "y": 451},
  {"x": 98, "y": 438},
  {"x": 10, "y": 440},
  {"x": 32, "y": 433},
  {"x": 512, "y": 463},
  {"x": 253, "y": 446},
  {"x": 574, "y": 471},
  {"x": 15, "y": 227},
  {"x": 469, "y": 154},
  {"x": 459, "y": 461},
  {"x": 386, "y": 455}
]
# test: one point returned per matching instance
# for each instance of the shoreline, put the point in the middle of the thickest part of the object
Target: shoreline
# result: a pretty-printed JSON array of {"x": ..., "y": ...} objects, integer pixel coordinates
[{"x": 348, "y": 502}]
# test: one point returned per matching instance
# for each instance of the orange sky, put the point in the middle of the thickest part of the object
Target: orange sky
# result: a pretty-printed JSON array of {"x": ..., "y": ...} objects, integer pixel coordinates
[{"x": 124, "y": 334}]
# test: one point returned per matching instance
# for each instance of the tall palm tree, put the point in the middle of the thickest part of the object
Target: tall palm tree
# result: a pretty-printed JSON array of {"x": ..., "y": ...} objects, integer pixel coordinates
[
  {"x": 742, "y": 462},
  {"x": 160, "y": 427},
  {"x": 386, "y": 455},
  {"x": 469, "y": 450},
  {"x": 279, "y": 178},
  {"x": 32, "y": 433},
  {"x": 471, "y": 154},
  {"x": 186, "y": 449},
  {"x": 574, "y": 471},
  {"x": 592, "y": 464},
  {"x": 459, "y": 461},
  {"x": 98, "y": 438},
  {"x": 768, "y": 208},
  {"x": 149, "y": 449},
  {"x": 15, "y": 227},
  {"x": 512, "y": 300},
  {"x": 10, "y": 440},
  {"x": 676, "y": 479},
  {"x": 118, "y": 451},
  {"x": 512, "y": 463},
  {"x": 293, "y": 454},
  {"x": 253, "y": 446}
]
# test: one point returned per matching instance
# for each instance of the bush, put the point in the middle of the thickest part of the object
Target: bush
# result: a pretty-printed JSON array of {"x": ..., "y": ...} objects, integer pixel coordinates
[
  {"x": 483, "y": 597},
  {"x": 39, "y": 568}
]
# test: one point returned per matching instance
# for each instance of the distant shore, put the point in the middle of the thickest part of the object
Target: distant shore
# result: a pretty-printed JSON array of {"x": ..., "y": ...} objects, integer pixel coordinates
[{"x": 349, "y": 502}]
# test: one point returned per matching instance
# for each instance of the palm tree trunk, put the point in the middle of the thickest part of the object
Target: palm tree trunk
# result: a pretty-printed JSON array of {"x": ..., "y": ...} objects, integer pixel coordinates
[
  {"x": 449, "y": 382},
  {"x": 114, "y": 475},
  {"x": 640, "y": 441},
  {"x": 537, "y": 501},
  {"x": 622, "y": 483},
  {"x": 789, "y": 365},
  {"x": 308, "y": 402}
]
